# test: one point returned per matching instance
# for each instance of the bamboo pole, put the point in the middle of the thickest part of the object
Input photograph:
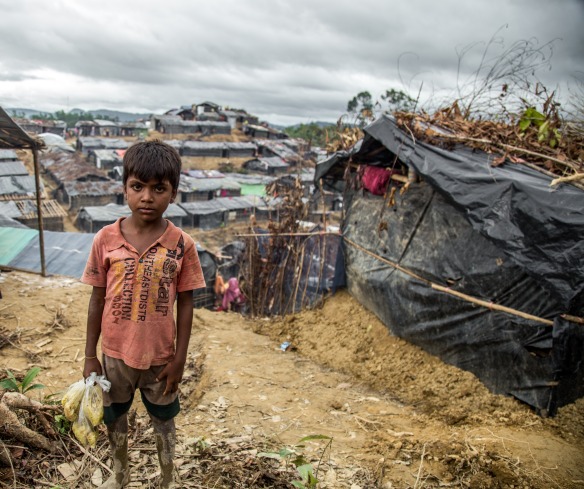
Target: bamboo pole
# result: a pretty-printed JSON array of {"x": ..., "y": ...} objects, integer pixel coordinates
[
  {"x": 571, "y": 178},
  {"x": 37, "y": 184},
  {"x": 446, "y": 290}
]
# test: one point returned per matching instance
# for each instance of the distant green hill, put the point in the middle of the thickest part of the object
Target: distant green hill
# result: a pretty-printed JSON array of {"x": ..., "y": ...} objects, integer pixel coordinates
[{"x": 98, "y": 114}]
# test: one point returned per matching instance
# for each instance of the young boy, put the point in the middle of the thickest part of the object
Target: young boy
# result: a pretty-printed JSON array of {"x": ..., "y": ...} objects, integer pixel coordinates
[{"x": 138, "y": 267}]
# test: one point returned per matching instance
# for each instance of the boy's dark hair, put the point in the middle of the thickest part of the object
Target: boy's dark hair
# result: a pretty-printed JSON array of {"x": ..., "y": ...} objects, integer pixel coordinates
[{"x": 154, "y": 159}]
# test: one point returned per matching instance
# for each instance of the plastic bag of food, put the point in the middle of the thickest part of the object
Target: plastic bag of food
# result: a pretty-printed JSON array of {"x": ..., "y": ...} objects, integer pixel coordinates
[
  {"x": 83, "y": 430},
  {"x": 92, "y": 404},
  {"x": 72, "y": 399}
]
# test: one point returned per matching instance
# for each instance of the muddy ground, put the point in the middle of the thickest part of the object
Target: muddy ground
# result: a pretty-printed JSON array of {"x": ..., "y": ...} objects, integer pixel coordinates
[{"x": 398, "y": 417}]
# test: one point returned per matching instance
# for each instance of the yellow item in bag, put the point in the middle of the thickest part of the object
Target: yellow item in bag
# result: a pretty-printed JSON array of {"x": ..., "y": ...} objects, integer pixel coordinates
[
  {"x": 92, "y": 404},
  {"x": 72, "y": 400}
]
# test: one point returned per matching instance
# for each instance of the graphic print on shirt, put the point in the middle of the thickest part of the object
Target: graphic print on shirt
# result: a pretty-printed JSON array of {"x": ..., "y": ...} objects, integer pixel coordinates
[
  {"x": 145, "y": 288},
  {"x": 122, "y": 301},
  {"x": 169, "y": 267}
]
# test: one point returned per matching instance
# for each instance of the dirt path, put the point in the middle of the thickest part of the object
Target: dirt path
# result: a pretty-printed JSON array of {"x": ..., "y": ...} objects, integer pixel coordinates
[{"x": 398, "y": 417}]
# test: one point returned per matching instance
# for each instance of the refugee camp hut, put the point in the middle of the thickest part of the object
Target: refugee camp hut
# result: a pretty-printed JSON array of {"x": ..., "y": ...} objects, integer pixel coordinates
[
  {"x": 230, "y": 116},
  {"x": 12, "y": 168},
  {"x": 77, "y": 194},
  {"x": 255, "y": 131},
  {"x": 133, "y": 129},
  {"x": 25, "y": 212},
  {"x": 240, "y": 150},
  {"x": 185, "y": 112},
  {"x": 305, "y": 178},
  {"x": 29, "y": 125},
  {"x": 91, "y": 219},
  {"x": 107, "y": 128},
  {"x": 208, "y": 128},
  {"x": 86, "y": 144},
  {"x": 206, "y": 107},
  {"x": 18, "y": 187},
  {"x": 53, "y": 127},
  {"x": 269, "y": 149},
  {"x": 210, "y": 116},
  {"x": 204, "y": 149},
  {"x": 252, "y": 184},
  {"x": 481, "y": 265},
  {"x": 86, "y": 128},
  {"x": 270, "y": 166},
  {"x": 8, "y": 156},
  {"x": 79, "y": 183},
  {"x": 193, "y": 188},
  {"x": 167, "y": 124},
  {"x": 211, "y": 214},
  {"x": 106, "y": 159}
]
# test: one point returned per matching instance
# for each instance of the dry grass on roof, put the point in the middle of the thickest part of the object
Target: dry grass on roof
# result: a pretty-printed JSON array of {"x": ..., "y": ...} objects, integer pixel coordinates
[{"x": 542, "y": 141}]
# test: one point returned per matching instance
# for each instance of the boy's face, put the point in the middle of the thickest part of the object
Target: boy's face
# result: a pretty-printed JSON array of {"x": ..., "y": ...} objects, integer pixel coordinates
[{"x": 148, "y": 200}]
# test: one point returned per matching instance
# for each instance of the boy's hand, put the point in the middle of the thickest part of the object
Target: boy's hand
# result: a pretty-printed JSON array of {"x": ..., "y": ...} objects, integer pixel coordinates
[
  {"x": 91, "y": 365},
  {"x": 172, "y": 372}
]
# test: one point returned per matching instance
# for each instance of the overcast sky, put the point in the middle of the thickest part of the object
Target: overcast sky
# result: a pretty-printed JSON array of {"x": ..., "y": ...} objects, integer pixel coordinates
[{"x": 282, "y": 60}]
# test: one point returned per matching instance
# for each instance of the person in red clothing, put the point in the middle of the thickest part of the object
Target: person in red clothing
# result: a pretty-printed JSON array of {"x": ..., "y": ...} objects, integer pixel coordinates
[{"x": 138, "y": 267}]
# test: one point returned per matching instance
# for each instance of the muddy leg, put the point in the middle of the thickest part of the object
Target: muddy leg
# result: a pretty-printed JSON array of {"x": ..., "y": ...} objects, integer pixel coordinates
[
  {"x": 117, "y": 433},
  {"x": 165, "y": 432}
]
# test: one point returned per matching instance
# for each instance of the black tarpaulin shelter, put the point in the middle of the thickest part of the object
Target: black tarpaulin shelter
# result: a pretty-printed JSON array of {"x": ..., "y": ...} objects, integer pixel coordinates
[
  {"x": 482, "y": 266},
  {"x": 12, "y": 136}
]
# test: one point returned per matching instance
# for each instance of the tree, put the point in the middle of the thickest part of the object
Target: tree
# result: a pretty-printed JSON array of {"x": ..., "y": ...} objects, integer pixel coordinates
[
  {"x": 314, "y": 133},
  {"x": 398, "y": 100},
  {"x": 361, "y": 107}
]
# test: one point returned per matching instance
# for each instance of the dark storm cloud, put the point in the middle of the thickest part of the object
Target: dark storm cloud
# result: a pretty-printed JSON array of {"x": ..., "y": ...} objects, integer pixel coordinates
[{"x": 288, "y": 60}]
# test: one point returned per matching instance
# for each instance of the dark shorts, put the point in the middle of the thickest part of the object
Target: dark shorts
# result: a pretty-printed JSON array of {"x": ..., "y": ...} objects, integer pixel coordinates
[{"x": 125, "y": 380}]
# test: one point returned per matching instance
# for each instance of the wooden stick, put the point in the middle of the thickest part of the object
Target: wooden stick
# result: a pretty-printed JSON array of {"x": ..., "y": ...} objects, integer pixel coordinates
[
  {"x": 569, "y": 164},
  {"x": 491, "y": 305},
  {"x": 460, "y": 295},
  {"x": 571, "y": 178},
  {"x": 267, "y": 235}
]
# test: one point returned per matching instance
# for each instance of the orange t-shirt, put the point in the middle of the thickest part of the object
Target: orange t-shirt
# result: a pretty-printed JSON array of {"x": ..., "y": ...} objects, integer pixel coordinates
[{"x": 138, "y": 324}]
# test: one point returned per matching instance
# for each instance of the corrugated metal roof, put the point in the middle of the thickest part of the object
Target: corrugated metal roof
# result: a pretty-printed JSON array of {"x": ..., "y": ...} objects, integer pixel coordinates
[
  {"x": 223, "y": 204},
  {"x": 204, "y": 174},
  {"x": 109, "y": 187},
  {"x": 112, "y": 212},
  {"x": 18, "y": 185},
  {"x": 8, "y": 222},
  {"x": 65, "y": 253},
  {"x": 207, "y": 184},
  {"x": 242, "y": 178},
  {"x": 204, "y": 145},
  {"x": 9, "y": 168},
  {"x": 9, "y": 209},
  {"x": 8, "y": 154}
]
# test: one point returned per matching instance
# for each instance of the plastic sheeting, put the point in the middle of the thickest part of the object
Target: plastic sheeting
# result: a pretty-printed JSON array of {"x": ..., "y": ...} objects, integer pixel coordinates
[
  {"x": 540, "y": 227},
  {"x": 498, "y": 234},
  {"x": 536, "y": 363}
]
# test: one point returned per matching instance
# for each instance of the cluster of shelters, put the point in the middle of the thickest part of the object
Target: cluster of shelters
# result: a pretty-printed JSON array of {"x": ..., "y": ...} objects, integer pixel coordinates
[{"x": 18, "y": 194}]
